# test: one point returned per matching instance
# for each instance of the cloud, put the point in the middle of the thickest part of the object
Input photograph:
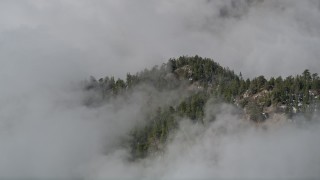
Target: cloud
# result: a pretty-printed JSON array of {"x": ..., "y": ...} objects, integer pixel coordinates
[
  {"x": 48, "y": 47},
  {"x": 228, "y": 148},
  {"x": 114, "y": 37},
  {"x": 52, "y": 134}
]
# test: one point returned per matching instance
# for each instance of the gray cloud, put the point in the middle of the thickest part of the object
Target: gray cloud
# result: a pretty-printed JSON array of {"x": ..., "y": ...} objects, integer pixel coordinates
[
  {"x": 113, "y": 37},
  {"x": 228, "y": 148},
  {"x": 48, "y": 47}
]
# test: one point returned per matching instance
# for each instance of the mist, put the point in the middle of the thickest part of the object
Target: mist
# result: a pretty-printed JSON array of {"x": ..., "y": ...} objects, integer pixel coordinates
[
  {"x": 47, "y": 48},
  {"x": 229, "y": 148},
  {"x": 277, "y": 37}
]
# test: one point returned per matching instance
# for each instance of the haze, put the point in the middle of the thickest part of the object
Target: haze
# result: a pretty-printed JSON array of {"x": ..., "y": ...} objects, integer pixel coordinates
[{"x": 47, "y": 48}]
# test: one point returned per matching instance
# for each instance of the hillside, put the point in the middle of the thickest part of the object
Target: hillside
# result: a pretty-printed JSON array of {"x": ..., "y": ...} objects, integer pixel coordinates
[{"x": 182, "y": 87}]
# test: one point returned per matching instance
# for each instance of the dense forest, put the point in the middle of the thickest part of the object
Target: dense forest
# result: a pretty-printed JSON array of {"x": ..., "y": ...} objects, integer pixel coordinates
[{"x": 202, "y": 80}]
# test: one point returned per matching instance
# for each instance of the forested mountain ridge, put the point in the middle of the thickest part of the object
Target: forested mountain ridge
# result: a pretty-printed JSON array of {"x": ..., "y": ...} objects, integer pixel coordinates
[{"x": 199, "y": 80}]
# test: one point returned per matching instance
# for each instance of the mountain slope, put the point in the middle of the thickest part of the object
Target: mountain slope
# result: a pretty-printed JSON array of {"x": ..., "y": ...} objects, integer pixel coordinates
[{"x": 182, "y": 87}]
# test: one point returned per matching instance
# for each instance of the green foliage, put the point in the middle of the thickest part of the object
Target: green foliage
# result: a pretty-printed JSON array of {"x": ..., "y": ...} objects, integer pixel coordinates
[
  {"x": 257, "y": 84},
  {"x": 255, "y": 112},
  {"x": 152, "y": 137},
  {"x": 193, "y": 107}
]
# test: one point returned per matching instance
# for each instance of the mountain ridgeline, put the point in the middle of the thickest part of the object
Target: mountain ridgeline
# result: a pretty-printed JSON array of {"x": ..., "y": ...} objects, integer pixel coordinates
[{"x": 186, "y": 84}]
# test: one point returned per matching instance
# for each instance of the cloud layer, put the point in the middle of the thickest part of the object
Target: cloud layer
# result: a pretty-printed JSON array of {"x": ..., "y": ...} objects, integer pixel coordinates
[
  {"x": 114, "y": 37},
  {"x": 48, "y": 47},
  {"x": 229, "y": 148}
]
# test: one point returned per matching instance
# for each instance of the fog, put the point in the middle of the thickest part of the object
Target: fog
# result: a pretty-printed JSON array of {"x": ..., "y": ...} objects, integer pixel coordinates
[
  {"x": 47, "y": 48},
  {"x": 229, "y": 148},
  {"x": 277, "y": 37}
]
